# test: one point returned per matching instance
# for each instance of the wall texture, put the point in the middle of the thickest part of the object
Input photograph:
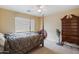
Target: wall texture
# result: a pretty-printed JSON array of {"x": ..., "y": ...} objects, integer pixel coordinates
[
  {"x": 53, "y": 22},
  {"x": 7, "y": 20}
]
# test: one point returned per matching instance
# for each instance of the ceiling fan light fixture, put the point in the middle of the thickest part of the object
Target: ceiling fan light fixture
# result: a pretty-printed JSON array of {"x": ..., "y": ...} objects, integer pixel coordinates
[
  {"x": 28, "y": 10},
  {"x": 39, "y": 10}
]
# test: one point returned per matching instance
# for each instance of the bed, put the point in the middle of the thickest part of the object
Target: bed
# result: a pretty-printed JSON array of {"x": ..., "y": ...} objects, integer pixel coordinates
[{"x": 23, "y": 42}]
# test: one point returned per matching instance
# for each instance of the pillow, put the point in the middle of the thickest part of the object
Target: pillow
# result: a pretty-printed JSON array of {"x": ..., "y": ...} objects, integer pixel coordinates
[
  {"x": 1, "y": 34},
  {"x": 2, "y": 41}
]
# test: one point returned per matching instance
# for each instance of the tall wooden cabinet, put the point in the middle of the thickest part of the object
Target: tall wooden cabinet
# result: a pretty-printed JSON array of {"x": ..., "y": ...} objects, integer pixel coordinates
[{"x": 70, "y": 29}]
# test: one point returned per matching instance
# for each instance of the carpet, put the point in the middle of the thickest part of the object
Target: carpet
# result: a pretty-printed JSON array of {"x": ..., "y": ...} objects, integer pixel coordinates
[{"x": 42, "y": 50}]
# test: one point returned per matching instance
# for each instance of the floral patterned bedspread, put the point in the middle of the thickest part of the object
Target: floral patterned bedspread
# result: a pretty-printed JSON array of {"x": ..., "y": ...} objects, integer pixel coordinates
[{"x": 22, "y": 42}]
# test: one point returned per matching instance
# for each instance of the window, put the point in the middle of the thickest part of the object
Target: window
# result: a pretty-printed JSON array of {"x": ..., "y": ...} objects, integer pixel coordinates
[{"x": 24, "y": 24}]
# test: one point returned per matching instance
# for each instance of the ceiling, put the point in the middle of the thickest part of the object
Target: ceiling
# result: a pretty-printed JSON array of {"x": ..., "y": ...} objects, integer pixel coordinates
[{"x": 31, "y": 9}]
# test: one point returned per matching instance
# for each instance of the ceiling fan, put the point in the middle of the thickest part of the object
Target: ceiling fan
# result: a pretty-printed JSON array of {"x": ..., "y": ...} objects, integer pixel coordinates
[{"x": 41, "y": 9}]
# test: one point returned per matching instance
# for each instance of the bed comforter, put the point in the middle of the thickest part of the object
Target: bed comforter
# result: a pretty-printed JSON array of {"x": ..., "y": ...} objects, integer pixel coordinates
[{"x": 22, "y": 42}]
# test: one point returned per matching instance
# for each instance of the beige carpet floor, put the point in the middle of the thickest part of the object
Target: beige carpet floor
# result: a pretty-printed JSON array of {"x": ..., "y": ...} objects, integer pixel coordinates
[{"x": 42, "y": 50}]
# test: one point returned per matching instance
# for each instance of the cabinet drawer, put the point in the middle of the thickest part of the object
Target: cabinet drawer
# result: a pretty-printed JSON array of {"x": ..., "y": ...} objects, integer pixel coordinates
[{"x": 71, "y": 39}]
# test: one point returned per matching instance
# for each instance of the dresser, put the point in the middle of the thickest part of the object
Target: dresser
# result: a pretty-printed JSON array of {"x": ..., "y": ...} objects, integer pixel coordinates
[{"x": 70, "y": 29}]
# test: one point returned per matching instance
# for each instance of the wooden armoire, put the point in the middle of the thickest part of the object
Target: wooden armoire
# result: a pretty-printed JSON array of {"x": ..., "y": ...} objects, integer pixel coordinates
[{"x": 70, "y": 29}]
